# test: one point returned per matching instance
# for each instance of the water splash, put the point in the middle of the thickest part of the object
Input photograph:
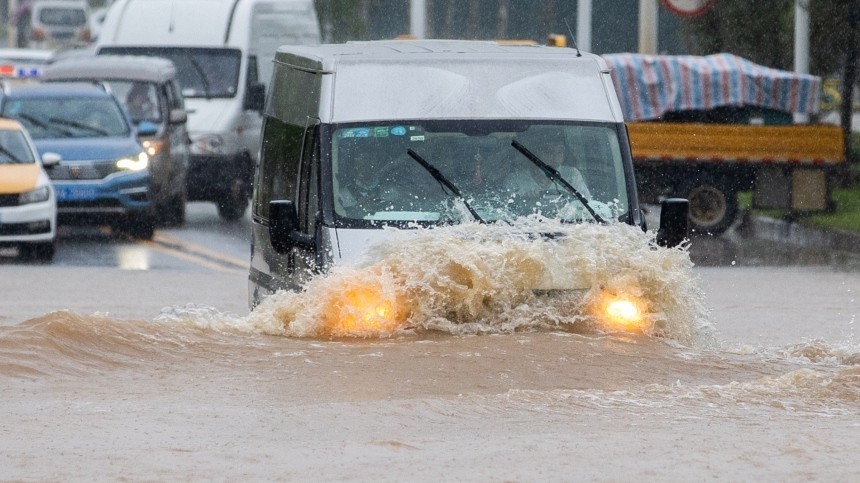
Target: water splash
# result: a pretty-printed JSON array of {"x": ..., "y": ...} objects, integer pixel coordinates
[{"x": 476, "y": 278}]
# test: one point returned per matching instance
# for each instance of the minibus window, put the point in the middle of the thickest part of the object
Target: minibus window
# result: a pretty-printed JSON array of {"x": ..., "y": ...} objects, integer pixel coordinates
[{"x": 279, "y": 164}]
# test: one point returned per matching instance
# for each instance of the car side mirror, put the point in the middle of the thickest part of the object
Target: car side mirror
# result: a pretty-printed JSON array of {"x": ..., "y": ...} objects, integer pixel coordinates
[
  {"x": 255, "y": 97},
  {"x": 146, "y": 128},
  {"x": 49, "y": 160},
  {"x": 674, "y": 222},
  {"x": 177, "y": 116},
  {"x": 283, "y": 227}
]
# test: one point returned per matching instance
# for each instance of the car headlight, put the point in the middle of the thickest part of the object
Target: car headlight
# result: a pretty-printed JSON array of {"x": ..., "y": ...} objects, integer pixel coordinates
[
  {"x": 36, "y": 195},
  {"x": 134, "y": 163},
  {"x": 208, "y": 144},
  {"x": 624, "y": 313}
]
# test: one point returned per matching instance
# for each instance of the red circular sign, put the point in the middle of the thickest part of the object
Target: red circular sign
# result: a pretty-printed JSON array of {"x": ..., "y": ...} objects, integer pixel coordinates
[{"x": 687, "y": 8}]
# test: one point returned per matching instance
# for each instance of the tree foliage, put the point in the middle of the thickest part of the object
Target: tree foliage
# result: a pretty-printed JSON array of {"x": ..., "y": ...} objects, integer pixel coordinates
[{"x": 764, "y": 32}]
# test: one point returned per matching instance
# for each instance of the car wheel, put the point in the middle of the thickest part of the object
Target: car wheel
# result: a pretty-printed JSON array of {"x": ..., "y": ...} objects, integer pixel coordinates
[
  {"x": 234, "y": 204},
  {"x": 39, "y": 252},
  {"x": 173, "y": 212}
]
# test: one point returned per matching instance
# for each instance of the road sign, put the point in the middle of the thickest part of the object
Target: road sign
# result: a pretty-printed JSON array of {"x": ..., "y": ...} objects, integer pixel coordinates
[{"x": 687, "y": 8}]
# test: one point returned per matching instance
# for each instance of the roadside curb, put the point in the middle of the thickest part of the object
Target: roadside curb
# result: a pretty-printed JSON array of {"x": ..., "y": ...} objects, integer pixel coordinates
[{"x": 772, "y": 229}]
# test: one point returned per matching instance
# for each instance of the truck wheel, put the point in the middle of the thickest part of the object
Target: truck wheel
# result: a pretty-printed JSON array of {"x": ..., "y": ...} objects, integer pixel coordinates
[
  {"x": 234, "y": 204},
  {"x": 713, "y": 205},
  {"x": 39, "y": 252},
  {"x": 142, "y": 228}
]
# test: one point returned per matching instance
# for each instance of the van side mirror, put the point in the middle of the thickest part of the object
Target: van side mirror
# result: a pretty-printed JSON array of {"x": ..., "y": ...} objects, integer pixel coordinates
[
  {"x": 674, "y": 222},
  {"x": 255, "y": 97},
  {"x": 283, "y": 227},
  {"x": 177, "y": 116}
]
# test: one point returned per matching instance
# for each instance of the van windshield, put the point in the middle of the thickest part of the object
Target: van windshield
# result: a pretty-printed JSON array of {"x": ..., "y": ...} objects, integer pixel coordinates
[
  {"x": 201, "y": 72},
  {"x": 377, "y": 178}
]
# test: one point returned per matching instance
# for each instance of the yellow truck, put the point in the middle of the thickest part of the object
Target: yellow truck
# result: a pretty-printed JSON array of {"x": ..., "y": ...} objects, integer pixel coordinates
[{"x": 705, "y": 128}]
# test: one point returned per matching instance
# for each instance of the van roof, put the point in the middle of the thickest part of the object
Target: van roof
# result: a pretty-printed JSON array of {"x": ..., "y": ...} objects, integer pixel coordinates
[
  {"x": 327, "y": 56},
  {"x": 112, "y": 67},
  {"x": 444, "y": 79},
  {"x": 54, "y": 90}
]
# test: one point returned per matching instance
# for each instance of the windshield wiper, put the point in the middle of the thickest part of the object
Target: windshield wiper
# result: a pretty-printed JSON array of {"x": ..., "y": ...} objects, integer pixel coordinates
[
  {"x": 444, "y": 182},
  {"x": 555, "y": 176},
  {"x": 42, "y": 124},
  {"x": 75, "y": 124},
  {"x": 200, "y": 72}
]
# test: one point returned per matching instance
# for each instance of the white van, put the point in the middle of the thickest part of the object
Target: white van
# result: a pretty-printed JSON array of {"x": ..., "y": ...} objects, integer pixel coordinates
[
  {"x": 370, "y": 135},
  {"x": 53, "y": 24},
  {"x": 223, "y": 52}
]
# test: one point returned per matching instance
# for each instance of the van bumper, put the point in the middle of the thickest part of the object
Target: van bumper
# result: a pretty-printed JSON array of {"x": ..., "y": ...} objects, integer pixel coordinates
[{"x": 217, "y": 177}]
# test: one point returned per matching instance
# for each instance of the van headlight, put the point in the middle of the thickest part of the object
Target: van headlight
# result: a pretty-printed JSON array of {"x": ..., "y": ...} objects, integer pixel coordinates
[
  {"x": 208, "y": 144},
  {"x": 134, "y": 163},
  {"x": 36, "y": 195}
]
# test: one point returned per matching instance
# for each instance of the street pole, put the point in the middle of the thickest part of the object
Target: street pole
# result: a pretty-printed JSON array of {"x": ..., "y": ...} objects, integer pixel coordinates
[
  {"x": 648, "y": 27},
  {"x": 583, "y": 25},
  {"x": 418, "y": 18},
  {"x": 12, "y": 27},
  {"x": 801, "y": 45}
]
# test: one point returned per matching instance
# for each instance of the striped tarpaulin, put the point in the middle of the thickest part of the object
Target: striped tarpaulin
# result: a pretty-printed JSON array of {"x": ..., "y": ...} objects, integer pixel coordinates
[{"x": 650, "y": 85}]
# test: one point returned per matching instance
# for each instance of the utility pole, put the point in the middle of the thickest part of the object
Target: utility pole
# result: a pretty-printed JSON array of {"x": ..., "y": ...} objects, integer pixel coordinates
[
  {"x": 583, "y": 25},
  {"x": 418, "y": 18},
  {"x": 648, "y": 26},
  {"x": 801, "y": 44}
]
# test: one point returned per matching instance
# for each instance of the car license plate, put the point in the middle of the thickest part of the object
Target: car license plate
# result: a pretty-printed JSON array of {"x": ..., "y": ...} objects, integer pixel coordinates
[{"x": 76, "y": 193}]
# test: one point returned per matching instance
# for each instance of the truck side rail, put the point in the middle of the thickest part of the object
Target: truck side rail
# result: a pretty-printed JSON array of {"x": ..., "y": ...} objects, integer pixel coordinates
[{"x": 813, "y": 144}]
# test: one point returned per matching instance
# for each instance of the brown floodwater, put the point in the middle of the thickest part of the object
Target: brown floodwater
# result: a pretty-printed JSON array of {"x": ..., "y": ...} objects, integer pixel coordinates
[{"x": 471, "y": 372}]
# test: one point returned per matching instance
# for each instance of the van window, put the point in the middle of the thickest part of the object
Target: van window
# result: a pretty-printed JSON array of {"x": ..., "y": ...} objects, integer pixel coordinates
[
  {"x": 376, "y": 179},
  {"x": 174, "y": 99},
  {"x": 62, "y": 17},
  {"x": 279, "y": 164},
  {"x": 309, "y": 203},
  {"x": 202, "y": 72},
  {"x": 140, "y": 99}
]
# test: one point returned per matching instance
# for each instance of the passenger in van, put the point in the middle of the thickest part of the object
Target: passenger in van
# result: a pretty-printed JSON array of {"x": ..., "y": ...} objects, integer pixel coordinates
[
  {"x": 140, "y": 104},
  {"x": 528, "y": 180}
]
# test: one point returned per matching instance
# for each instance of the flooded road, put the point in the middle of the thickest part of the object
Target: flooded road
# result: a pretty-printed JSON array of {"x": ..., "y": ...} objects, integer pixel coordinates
[{"x": 165, "y": 375}]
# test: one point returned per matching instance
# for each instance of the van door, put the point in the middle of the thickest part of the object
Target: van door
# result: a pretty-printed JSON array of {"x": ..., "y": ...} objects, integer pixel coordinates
[{"x": 309, "y": 261}]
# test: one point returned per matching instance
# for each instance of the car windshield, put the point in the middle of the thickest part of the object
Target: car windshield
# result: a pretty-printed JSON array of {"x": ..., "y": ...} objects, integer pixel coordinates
[
  {"x": 14, "y": 148},
  {"x": 202, "y": 72},
  {"x": 68, "y": 117},
  {"x": 381, "y": 171}
]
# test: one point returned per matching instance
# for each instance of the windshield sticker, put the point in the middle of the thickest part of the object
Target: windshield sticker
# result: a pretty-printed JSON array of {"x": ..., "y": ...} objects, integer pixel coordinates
[
  {"x": 398, "y": 131},
  {"x": 380, "y": 132},
  {"x": 358, "y": 132},
  {"x": 416, "y": 138}
]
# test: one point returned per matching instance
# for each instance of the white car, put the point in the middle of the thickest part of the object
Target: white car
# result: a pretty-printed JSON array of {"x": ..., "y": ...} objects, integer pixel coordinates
[{"x": 28, "y": 205}]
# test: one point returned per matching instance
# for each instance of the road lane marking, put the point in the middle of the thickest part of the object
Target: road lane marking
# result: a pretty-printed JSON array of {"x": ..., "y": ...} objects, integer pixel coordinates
[{"x": 197, "y": 254}]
